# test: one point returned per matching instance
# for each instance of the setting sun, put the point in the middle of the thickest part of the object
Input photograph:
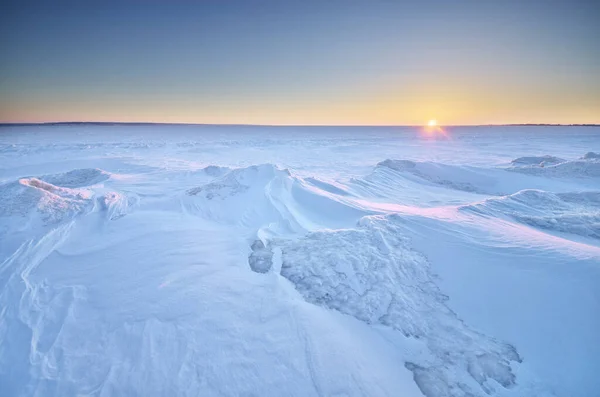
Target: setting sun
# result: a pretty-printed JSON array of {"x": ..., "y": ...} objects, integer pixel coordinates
[{"x": 432, "y": 129}]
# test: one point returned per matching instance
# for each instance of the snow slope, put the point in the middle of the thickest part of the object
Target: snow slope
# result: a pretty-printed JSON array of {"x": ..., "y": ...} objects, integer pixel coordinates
[{"x": 224, "y": 261}]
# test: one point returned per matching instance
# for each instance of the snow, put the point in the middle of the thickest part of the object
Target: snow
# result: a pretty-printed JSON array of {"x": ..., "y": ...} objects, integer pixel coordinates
[
  {"x": 536, "y": 160},
  {"x": 372, "y": 274},
  {"x": 342, "y": 261},
  {"x": 591, "y": 155}
]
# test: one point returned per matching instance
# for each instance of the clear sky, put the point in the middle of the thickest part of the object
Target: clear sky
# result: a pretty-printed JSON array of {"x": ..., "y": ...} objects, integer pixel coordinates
[{"x": 301, "y": 62}]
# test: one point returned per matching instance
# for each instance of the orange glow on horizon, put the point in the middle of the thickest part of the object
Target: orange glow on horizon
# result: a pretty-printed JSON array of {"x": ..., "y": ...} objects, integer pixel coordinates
[
  {"x": 433, "y": 130},
  {"x": 390, "y": 108}
]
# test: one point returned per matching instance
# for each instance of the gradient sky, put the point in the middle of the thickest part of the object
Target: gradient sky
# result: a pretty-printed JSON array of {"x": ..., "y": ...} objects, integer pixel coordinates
[{"x": 301, "y": 62}]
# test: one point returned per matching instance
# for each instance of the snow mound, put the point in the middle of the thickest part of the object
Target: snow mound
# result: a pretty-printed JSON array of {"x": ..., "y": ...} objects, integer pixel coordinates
[
  {"x": 591, "y": 155},
  {"x": 575, "y": 213},
  {"x": 536, "y": 160},
  {"x": 371, "y": 273},
  {"x": 237, "y": 182},
  {"x": 116, "y": 205},
  {"x": 259, "y": 195},
  {"x": 77, "y": 178},
  {"x": 53, "y": 203},
  {"x": 569, "y": 169},
  {"x": 468, "y": 179},
  {"x": 29, "y": 206},
  {"x": 215, "y": 170},
  {"x": 589, "y": 166}
]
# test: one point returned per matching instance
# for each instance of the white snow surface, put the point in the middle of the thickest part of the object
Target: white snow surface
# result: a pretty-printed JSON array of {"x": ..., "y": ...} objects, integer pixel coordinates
[{"x": 165, "y": 260}]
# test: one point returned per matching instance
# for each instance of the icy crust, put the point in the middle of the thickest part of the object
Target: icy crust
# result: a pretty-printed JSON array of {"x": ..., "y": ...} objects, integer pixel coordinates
[
  {"x": 371, "y": 273},
  {"x": 575, "y": 212}
]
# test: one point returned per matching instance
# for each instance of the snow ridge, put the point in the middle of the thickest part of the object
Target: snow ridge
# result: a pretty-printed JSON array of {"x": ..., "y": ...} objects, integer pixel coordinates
[{"x": 586, "y": 167}]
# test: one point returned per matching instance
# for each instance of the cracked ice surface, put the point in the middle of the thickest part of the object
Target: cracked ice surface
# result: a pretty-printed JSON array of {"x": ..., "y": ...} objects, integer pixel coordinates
[{"x": 371, "y": 273}]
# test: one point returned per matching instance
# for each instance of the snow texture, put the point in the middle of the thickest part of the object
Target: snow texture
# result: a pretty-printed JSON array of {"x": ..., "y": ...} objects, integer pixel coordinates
[{"x": 228, "y": 261}]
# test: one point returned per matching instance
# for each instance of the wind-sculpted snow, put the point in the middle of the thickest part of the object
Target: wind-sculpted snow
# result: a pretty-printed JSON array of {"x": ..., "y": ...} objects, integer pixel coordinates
[
  {"x": 31, "y": 203},
  {"x": 32, "y": 315},
  {"x": 576, "y": 213},
  {"x": 262, "y": 194},
  {"x": 454, "y": 177},
  {"x": 77, "y": 178},
  {"x": 215, "y": 170},
  {"x": 587, "y": 167},
  {"x": 536, "y": 160},
  {"x": 591, "y": 155},
  {"x": 117, "y": 205},
  {"x": 328, "y": 186},
  {"x": 398, "y": 178},
  {"x": 371, "y": 273},
  {"x": 393, "y": 178},
  {"x": 31, "y": 207},
  {"x": 165, "y": 260}
]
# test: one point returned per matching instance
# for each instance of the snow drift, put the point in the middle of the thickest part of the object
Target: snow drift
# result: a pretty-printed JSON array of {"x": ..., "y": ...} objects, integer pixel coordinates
[
  {"x": 77, "y": 178},
  {"x": 587, "y": 167},
  {"x": 263, "y": 194},
  {"x": 576, "y": 213},
  {"x": 137, "y": 261}
]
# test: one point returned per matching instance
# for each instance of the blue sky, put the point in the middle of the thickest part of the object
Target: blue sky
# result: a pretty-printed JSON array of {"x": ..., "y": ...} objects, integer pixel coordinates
[{"x": 310, "y": 62}]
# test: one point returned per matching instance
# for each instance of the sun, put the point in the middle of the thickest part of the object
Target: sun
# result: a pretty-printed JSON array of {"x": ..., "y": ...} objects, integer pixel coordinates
[{"x": 433, "y": 129}]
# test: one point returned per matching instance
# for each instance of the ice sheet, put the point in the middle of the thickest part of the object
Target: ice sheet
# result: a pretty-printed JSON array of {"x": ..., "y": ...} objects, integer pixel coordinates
[{"x": 342, "y": 261}]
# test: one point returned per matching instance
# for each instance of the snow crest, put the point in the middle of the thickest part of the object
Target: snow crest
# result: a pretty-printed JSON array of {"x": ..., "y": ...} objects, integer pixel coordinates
[
  {"x": 574, "y": 212},
  {"x": 262, "y": 194},
  {"x": 52, "y": 203},
  {"x": 77, "y": 178},
  {"x": 453, "y": 177},
  {"x": 116, "y": 205},
  {"x": 586, "y": 167},
  {"x": 591, "y": 155}
]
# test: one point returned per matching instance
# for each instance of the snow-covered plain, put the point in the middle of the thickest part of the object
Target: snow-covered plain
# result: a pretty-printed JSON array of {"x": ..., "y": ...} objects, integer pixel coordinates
[{"x": 157, "y": 260}]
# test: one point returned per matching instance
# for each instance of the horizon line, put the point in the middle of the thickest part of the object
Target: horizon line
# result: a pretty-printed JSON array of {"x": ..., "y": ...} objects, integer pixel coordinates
[{"x": 147, "y": 123}]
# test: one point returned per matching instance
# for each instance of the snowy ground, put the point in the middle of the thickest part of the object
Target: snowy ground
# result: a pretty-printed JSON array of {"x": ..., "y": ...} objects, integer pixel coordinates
[{"x": 230, "y": 261}]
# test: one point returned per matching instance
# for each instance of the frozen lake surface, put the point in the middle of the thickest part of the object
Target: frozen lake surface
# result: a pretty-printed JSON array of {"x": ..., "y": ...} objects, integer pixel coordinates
[{"x": 143, "y": 260}]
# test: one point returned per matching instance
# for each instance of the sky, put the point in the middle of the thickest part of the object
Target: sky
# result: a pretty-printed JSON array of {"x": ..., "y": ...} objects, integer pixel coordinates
[{"x": 327, "y": 62}]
